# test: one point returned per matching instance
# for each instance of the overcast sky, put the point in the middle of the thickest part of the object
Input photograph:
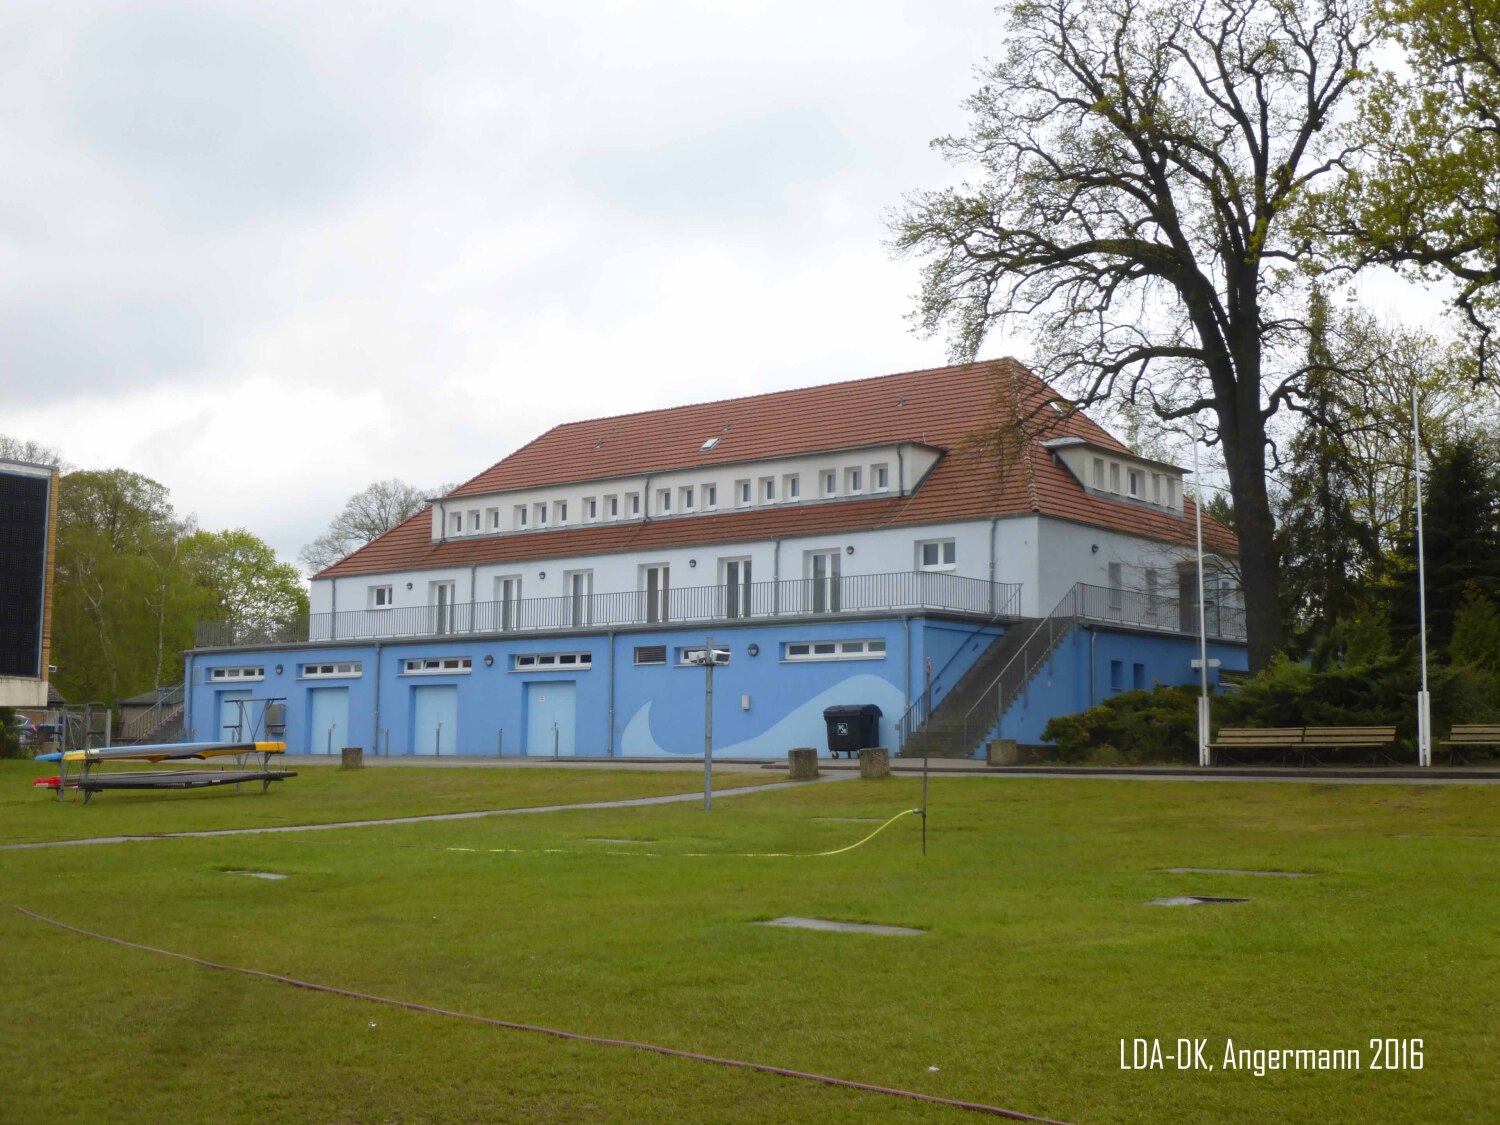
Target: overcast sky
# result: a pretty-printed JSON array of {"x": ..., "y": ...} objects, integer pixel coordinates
[{"x": 267, "y": 253}]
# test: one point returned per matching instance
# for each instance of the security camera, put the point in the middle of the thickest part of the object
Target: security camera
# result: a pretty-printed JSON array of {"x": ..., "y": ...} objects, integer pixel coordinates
[{"x": 702, "y": 656}]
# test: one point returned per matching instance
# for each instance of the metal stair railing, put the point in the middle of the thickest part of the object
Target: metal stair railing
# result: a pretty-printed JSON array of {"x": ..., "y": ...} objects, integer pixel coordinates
[
  {"x": 1042, "y": 642},
  {"x": 915, "y": 717}
]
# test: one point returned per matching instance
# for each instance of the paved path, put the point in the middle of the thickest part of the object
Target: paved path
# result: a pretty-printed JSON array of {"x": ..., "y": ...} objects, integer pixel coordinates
[{"x": 634, "y": 802}]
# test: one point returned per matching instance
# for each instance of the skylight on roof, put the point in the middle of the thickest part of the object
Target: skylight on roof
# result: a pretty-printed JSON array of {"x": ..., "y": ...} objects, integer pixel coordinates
[{"x": 709, "y": 444}]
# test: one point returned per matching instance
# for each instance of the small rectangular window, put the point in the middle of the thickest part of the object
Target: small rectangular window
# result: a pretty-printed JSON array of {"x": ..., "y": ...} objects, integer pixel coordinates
[
  {"x": 345, "y": 670},
  {"x": 382, "y": 597},
  {"x": 710, "y": 496},
  {"x": 540, "y": 512},
  {"x": 1114, "y": 477},
  {"x": 1133, "y": 480},
  {"x": 664, "y": 500},
  {"x": 456, "y": 523},
  {"x": 551, "y": 661},
  {"x": 474, "y": 520},
  {"x": 853, "y": 480},
  {"x": 562, "y": 511},
  {"x": 651, "y": 654},
  {"x": 869, "y": 649},
  {"x": 1117, "y": 675},
  {"x": 742, "y": 491},
  {"x": 494, "y": 520},
  {"x": 937, "y": 554},
  {"x": 686, "y": 497},
  {"x": 1156, "y": 488},
  {"x": 612, "y": 507},
  {"x": 243, "y": 673},
  {"x": 768, "y": 489},
  {"x": 635, "y": 503},
  {"x": 1099, "y": 473},
  {"x": 830, "y": 483},
  {"x": 590, "y": 508},
  {"x": 437, "y": 666},
  {"x": 520, "y": 517},
  {"x": 1138, "y": 677},
  {"x": 880, "y": 477},
  {"x": 791, "y": 487}
]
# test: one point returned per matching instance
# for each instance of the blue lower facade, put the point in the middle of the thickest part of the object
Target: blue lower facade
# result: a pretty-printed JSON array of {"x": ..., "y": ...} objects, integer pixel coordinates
[{"x": 630, "y": 694}]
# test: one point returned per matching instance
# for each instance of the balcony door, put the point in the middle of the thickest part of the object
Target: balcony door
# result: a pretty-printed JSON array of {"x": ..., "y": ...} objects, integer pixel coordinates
[
  {"x": 580, "y": 587},
  {"x": 736, "y": 582},
  {"x": 442, "y": 607},
  {"x": 823, "y": 581},
  {"x": 508, "y": 599},
  {"x": 655, "y": 581}
]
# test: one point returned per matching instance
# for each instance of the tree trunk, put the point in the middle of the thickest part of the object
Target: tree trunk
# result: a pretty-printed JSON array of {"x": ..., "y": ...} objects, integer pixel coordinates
[{"x": 1260, "y": 570}]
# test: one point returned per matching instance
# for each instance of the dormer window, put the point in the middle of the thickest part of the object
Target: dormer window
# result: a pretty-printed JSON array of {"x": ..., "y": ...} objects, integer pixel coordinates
[
  {"x": 520, "y": 517},
  {"x": 1135, "y": 481},
  {"x": 791, "y": 487},
  {"x": 1099, "y": 473},
  {"x": 474, "y": 520},
  {"x": 830, "y": 482},
  {"x": 456, "y": 523},
  {"x": 1114, "y": 477},
  {"x": 880, "y": 478},
  {"x": 710, "y": 496},
  {"x": 562, "y": 511},
  {"x": 1156, "y": 489},
  {"x": 664, "y": 500},
  {"x": 742, "y": 491},
  {"x": 541, "y": 515},
  {"x": 768, "y": 490},
  {"x": 687, "y": 498},
  {"x": 853, "y": 480}
]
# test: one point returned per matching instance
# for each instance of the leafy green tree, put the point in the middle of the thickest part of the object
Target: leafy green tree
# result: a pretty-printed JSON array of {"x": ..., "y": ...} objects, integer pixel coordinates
[
  {"x": 1422, "y": 191},
  {"x": 1461, "y": 541},
  {"x": 241, "y": 580},
  {"x": 1139, "y": 164},
  {"x": 1326, "y": 549}
]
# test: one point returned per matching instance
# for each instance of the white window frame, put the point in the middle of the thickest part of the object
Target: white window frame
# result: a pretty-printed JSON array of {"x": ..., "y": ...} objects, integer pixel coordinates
[
  {"x": 1114, "y": 477},
  {"x": 510, "y": 606},
  {"x": 1099, "y": 473},
  {"x": 710, "y": 497},
  {"x": 664, "y": 500},
  {"x": 437, "y": 666},
  {"x": 1135, "y": 484},
  {"x": 744, "y": 493},
  {"x": 611, "y": 507},
  {"x": 828, "y": 483},
  {"x": 633, "y": 503},
  {"x": 539, "y": 514},
  {"x": 562, "y": 511},
  {"x": 518, "y": 518},
  {"x": 947, "y": 554},
  {"x": 854, "y": 480},
  {"x": 768, "y": 490},
  {"x": 859, "y": 648},
  {"x": 331, "y": 670},
  {"x": 237, "y": 674},
  {"x": 590, "y": 508},
  {"x": 456, "y": 523},
  {"x": 791, "y": 488},
  {"x": 880, "y": 478},
  {"x": 685, "y": 497},
  {"x": 578, "y": 588},
  {"x": 383, "y": 597},
  {"x": 494, "y": 514},
  {"x": 552, "y": 662}
]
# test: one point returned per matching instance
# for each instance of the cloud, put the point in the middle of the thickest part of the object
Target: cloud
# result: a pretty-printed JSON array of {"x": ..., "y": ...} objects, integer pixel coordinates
[{"x": 268, "y": 252}]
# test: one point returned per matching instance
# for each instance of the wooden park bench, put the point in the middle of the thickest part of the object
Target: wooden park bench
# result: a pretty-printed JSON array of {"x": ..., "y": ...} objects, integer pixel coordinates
[
  {"x": 1466, "y": 736},
  {"x": 1304, "y": 740}
]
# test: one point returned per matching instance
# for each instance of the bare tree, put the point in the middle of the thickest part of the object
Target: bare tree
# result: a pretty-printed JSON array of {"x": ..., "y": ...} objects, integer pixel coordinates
[
  {"x": 1140, "y": 162},
  {"x": 29, "y": 450},
  {"x": 366, "y": 516}
]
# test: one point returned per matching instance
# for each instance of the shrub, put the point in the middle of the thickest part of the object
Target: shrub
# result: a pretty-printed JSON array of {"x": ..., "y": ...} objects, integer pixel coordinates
[{"x": 1139, "y": 726}]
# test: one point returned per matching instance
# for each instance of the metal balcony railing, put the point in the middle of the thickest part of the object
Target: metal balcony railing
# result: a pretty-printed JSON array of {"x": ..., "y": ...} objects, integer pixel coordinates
[{"x": 908, "y": 591}]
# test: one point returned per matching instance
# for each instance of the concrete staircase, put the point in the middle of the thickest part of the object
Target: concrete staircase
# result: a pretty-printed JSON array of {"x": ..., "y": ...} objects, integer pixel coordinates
[{"x": 972, "y": 708}]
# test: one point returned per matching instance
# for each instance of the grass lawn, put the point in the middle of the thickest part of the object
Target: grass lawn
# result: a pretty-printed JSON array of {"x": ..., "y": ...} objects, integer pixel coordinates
[
  {"x": 323, "y": 794},
  {"x": 1038, "y": 957}
]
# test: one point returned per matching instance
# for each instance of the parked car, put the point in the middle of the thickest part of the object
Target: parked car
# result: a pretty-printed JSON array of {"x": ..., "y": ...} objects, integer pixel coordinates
[{"x": 25, "y": 729}]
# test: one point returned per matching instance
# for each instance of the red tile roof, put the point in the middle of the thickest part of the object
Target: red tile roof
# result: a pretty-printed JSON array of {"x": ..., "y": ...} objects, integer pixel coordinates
[{"x": 945, "y": 407}]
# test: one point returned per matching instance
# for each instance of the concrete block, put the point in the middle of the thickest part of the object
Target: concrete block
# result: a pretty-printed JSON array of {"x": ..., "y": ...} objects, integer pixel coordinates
[
  {"x": 354, "y": 758},
  {"x": 874, "y": 763},
  {"x": 1002, "y": 752},
  {"x": 803, "y": 763}
]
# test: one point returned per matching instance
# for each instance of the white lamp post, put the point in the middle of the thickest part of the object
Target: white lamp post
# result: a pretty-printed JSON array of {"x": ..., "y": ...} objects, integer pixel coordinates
[
  {"x": 1203, "y": 751},
  {"x": 1424, "y": 700}
]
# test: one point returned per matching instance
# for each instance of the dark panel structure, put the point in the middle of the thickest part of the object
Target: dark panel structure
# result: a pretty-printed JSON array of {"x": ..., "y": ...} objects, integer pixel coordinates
[{"x": 25, "y": 502}]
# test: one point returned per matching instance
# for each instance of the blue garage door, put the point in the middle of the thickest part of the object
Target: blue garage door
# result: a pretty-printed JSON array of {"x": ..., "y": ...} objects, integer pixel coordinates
[
  {"x": 434, "y": 719},
  {"x": 234, "y": 726},
  {"x": 549, "y": 718},
  {"x": 328, "y": 720}
]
